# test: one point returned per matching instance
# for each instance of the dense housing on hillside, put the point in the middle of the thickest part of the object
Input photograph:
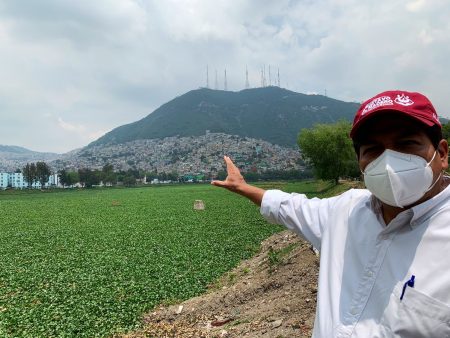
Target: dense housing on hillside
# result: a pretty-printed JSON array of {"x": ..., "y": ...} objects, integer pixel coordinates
[{"x": 190, "y": 155}]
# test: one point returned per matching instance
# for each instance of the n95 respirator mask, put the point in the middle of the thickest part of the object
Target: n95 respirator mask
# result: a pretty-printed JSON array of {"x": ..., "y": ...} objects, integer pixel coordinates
[{"x": 399, "y": 179}]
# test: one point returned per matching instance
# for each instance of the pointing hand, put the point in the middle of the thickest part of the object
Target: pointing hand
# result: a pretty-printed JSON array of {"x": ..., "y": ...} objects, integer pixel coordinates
[{"x": 234, "y": 178}]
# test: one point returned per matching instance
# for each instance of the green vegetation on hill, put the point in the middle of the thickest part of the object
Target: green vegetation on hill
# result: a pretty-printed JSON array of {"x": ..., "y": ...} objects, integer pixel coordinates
[{"x": 271, "y": 113}]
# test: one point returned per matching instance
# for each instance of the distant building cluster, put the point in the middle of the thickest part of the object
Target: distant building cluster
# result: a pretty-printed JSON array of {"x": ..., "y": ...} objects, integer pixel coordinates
[
  {"x": 17, "y": 181},
  {"x": 171, "y": 159},
  {"x": 187, "y": 155}
]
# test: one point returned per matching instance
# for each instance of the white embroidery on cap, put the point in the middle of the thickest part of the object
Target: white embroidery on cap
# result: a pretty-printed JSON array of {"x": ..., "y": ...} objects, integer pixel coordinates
[
  {"x": 378, "y": 102},
  {"x": 403, "y": 100}
]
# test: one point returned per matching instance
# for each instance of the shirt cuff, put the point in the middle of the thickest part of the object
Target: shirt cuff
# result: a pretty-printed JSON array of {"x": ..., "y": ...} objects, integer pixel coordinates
[{"x": 270, "y": 205}]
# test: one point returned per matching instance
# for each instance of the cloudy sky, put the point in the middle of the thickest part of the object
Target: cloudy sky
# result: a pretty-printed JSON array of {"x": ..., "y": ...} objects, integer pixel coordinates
[{"x": 72, "y": 70}]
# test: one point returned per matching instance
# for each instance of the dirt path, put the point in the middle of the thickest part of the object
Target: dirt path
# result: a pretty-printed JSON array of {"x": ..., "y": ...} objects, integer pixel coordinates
[{"x": 271, "y": 295}]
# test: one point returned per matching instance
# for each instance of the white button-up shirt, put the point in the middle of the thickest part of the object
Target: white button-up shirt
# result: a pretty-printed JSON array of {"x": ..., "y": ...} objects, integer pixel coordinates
[{"x": 365, "y": 264}]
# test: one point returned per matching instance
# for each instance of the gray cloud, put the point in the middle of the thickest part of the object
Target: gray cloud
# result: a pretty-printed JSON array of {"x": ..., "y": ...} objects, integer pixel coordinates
[{"x": 72, "y": 70}]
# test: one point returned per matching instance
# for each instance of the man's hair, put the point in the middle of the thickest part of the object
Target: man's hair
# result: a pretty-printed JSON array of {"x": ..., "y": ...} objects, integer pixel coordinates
[{"x": 434, "y": 133}]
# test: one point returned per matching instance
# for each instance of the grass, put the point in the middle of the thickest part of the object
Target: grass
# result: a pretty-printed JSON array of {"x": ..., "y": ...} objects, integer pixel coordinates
[
  {"x": 275, "y": 257},
  {"x": 89, "y": 263}
]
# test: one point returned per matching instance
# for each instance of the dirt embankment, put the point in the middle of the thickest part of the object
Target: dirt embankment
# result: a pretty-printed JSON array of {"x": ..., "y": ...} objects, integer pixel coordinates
[{"x": 271, "y": 295}]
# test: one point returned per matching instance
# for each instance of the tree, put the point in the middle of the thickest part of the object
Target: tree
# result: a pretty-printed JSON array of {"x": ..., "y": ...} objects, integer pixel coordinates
[
  {"x": 108, "y": 175},
  {"x": 446, "y": 130},
  {"x": 72, "y": 178},
  {"x": 88, "y": 178},
  {"x": 129, "y": 180},
  {"x": 173, "y": 176},
  {"x": 221, "y": 175},
  {"x": 29, "y": 173},
  {"x": 63, "y": 177},
  {"x": 151, "y": 175},
  {"x": 42, "y": 173},
  {"x": 329, "y": 150},
  {"x": 67, "y": 178}
]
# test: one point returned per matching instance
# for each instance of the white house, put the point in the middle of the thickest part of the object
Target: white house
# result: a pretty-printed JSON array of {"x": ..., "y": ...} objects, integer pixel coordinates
[{"x": 53, "y": 181}]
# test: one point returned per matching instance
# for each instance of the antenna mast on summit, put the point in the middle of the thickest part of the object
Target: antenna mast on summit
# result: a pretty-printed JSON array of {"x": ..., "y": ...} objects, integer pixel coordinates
[
  {"x": 247, "y": 84},
  {"x": 263, "y": 76},
  {"x": 207, "y": 77},
  {"x": 270, "y": 77},
  {"x": 225, "y": 86},
  {"x": 216, "y": 84},
  {"x": 279, "y": 77}
]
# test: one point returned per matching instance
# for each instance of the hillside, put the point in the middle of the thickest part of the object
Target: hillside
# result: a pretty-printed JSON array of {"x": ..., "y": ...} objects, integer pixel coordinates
[{"x": 272, "y": 114}]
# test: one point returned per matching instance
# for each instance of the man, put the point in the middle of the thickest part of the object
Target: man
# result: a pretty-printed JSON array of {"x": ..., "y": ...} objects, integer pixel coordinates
[{"x": 385, "y": 250}]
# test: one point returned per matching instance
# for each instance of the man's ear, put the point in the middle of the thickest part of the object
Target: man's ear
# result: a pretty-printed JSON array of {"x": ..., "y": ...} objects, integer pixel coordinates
[{"x": 443, "y": 153}]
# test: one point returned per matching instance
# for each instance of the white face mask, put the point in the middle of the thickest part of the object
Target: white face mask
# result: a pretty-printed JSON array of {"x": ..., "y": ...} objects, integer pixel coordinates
[{"x": 399, "y": 179}]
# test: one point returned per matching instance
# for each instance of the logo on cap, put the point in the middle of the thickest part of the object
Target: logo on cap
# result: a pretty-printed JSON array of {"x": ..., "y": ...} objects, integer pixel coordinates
[
  {"x": 403, "y": 100},
  {"x": 378, "y": 102}
]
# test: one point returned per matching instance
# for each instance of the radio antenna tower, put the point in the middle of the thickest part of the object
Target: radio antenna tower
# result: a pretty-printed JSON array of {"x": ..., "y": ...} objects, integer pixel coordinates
[
  {"x": 207, "y": 77},
  {"x": 247, "y": 84},
  {"x": 216, "y": 84},
  {"x": 262, "y": 78},
  {"x": 270, "y": 77},
  {"x": 279, "y": 77},
  {"x": 225, "y": 86}
]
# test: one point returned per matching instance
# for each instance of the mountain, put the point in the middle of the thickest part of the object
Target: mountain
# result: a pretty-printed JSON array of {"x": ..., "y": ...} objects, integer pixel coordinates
[
  {"x": 272, "y": 114},
  {"x": 14, "y": 157},
  {"x": 14, "y": 150}
]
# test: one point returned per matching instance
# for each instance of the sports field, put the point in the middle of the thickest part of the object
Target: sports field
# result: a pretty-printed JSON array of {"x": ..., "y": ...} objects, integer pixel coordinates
[{"x": 88, "y": 263}]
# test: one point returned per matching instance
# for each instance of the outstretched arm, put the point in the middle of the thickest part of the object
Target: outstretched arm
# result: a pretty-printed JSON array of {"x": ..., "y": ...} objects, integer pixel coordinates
[{"x": 236, "y": 183}]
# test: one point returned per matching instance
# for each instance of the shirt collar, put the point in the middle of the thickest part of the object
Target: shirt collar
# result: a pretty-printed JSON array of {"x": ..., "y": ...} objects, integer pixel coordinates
[
  {"x": 400, "y": 220},
  {"x": 415, "y": 215},
  {"x": 426, "y": 209}
]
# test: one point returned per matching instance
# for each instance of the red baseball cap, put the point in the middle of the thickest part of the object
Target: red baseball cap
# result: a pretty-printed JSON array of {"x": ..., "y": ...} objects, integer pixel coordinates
[{"x": 412, "y": 104}]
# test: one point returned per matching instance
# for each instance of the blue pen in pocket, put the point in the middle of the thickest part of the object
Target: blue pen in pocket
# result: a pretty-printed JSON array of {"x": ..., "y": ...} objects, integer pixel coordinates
[{"x": 409, "y": 283}]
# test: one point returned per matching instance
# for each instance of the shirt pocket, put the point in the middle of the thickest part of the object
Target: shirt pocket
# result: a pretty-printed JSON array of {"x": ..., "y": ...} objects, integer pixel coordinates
[{"x": 417, "y": 315}]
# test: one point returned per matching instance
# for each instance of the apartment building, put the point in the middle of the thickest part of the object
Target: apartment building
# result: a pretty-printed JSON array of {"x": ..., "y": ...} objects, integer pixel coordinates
[{"x": 17, "y": 181}]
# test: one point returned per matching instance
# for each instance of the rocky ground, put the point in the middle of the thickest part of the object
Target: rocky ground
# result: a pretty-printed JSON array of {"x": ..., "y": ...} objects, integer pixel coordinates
[{"x": 271, "y": 295}]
